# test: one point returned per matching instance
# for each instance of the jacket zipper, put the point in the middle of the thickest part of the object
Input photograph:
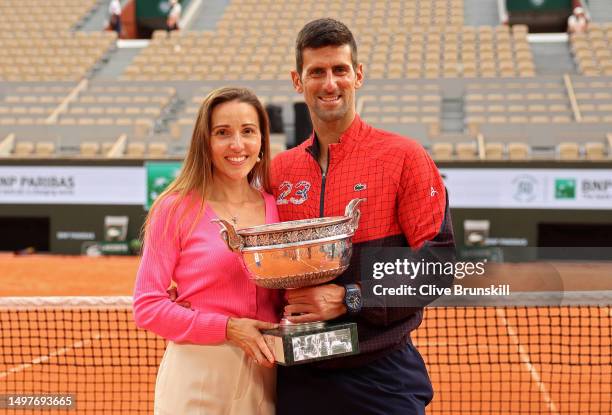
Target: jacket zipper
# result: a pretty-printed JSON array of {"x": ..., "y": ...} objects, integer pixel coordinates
[{"x": 323, "y": 177}]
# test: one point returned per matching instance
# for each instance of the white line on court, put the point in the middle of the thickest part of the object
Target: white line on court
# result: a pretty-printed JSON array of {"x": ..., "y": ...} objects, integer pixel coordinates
[
  {"x": 527, "y": 362},
  {"x": 44, "y": 358}
]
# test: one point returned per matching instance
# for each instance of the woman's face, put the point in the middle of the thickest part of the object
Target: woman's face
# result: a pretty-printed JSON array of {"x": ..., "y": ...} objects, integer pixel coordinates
[{"x": 235, "y": 140}]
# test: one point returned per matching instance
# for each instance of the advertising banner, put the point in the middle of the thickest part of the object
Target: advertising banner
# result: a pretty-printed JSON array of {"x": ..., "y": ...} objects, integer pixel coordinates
[
  {"x": 529, "y": 188},
  {"x": 473, "y": 188},
  {"x": 72, "y": 185}
]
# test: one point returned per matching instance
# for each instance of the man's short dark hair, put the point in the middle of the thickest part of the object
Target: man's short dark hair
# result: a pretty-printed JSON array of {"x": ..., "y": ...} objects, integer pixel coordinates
[{"x": 324, "y": 32}]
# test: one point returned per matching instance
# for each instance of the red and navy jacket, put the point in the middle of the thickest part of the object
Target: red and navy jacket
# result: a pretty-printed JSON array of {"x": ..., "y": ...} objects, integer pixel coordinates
[{"x": 406, "y": 205}]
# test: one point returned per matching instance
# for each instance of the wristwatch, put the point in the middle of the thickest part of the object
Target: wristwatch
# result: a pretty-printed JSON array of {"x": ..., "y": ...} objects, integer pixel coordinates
[{"x": 352, "y": 298}]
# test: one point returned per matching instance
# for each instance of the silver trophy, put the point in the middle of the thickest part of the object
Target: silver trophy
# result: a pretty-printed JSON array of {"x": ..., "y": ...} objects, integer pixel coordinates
[{"x": 297, "y": 254}]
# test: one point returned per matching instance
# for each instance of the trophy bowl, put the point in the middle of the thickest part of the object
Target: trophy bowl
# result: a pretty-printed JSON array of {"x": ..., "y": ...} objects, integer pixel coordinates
[{"x": 297, "y": 253}]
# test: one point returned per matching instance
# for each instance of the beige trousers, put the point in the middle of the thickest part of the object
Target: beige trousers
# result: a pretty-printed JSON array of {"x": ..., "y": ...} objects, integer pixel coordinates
[{"x": 212, "y": 380}]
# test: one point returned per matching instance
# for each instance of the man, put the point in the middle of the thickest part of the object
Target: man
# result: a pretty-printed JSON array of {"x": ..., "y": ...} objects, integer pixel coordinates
[
  {"x": 406, "y": 205},
  {"x": 174, "y": 15},
  {"x": 577, "y": 22},
  {"x": 114, "y": 12}
]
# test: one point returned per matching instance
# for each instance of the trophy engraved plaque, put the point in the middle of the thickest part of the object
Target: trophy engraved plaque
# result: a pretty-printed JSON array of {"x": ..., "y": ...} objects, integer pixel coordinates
[{"x": 295, "y": 254}]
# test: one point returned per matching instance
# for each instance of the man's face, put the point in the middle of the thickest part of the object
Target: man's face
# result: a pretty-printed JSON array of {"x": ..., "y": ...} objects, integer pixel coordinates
[{"x": 328, "y": 82}]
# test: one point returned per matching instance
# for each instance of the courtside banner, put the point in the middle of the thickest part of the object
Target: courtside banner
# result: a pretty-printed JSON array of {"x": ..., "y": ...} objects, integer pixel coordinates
[
  {"x": 529, "y": 188},
  {"x": 72, "y": 185}
]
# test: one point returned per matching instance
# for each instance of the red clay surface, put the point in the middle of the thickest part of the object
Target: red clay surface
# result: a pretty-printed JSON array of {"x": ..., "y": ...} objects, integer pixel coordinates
[{"x": 37, "y": 275}]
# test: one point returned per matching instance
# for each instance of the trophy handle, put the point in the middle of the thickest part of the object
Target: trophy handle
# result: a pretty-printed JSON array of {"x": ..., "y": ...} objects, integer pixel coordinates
[
  {"x": 353, "y": 212},
  {"x": 228, "y": 233}
]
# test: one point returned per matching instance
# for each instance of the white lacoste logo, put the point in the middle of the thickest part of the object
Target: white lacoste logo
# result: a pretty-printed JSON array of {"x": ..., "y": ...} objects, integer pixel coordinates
[
  {"x": 359, "y": 187},
  {"x": 433, "y": 192}
]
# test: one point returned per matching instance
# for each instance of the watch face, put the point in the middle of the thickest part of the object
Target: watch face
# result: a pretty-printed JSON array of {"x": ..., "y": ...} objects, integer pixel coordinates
[{"x": 353, "y": 301}]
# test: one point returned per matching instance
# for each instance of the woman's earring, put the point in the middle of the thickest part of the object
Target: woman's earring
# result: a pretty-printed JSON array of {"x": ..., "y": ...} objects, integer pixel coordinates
[{"x": 259, "y": 157}]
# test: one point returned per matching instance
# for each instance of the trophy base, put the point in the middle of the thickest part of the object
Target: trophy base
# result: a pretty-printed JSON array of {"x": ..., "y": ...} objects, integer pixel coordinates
[{"x": 294, "y": 344}]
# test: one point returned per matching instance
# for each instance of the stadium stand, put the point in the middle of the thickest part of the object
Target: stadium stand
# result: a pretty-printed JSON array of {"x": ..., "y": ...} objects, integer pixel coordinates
[
  {"x": 51, "y": 55},
  {"x": 594, "y": 99},
  {"x": 118, "y": 105},
  {"x": 63, "y": 111},
  {"x": 546, "y": 112},
  {"x": 389, "y": 52},
  {"x": 517, "y": 103},
  {"x": 420, "y": 59},
  {"x": 592, "y": 50},
  {"x": 28, "y": 17},
  {"x": 415, "y": 107}
]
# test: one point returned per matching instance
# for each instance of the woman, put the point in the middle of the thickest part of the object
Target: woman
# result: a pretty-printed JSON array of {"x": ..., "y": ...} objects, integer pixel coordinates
[{"x": 217, "y": 361}]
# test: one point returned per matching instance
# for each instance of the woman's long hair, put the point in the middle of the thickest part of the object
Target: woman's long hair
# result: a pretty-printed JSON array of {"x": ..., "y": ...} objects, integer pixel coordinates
[{"x": 196, "y": 174}]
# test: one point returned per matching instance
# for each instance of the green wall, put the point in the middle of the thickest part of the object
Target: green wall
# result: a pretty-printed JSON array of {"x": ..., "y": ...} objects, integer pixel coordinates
[{"x": 538, "y": 5}]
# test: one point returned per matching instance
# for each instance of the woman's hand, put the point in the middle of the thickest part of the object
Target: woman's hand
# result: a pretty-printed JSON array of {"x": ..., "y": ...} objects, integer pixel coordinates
[{"x": 245, "y": 333}]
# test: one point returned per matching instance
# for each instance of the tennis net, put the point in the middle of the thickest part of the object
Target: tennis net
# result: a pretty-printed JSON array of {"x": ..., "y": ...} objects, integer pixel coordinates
[{"x": 545, "y": 359}]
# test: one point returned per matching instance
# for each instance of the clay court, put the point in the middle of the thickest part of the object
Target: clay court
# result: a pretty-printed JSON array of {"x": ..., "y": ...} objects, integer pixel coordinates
[{"x": 482, "y": 360}]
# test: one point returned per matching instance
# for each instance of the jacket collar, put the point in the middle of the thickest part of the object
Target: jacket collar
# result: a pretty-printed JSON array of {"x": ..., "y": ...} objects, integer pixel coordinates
[{"x": 348, "y": 140}]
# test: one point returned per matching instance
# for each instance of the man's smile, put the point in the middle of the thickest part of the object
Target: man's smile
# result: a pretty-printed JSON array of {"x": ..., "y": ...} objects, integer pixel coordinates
[{"x": 330, "y": 99}]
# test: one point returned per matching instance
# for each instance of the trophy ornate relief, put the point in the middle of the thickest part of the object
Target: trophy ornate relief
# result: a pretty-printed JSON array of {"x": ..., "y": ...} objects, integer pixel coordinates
[{"x": 295, "y": 254}]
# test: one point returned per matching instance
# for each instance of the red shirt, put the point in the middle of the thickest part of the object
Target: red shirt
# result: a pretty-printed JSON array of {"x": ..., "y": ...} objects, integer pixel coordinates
[{"x": 405, "y": 205}]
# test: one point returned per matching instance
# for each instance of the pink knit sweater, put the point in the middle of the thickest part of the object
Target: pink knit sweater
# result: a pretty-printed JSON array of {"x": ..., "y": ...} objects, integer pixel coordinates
[{"x": 206, "y": 272}]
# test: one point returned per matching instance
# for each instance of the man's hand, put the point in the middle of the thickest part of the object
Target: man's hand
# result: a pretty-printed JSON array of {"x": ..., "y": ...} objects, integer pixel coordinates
[
  {"x": 173, "y": 295},
  {"x": 323, "y": 302}
]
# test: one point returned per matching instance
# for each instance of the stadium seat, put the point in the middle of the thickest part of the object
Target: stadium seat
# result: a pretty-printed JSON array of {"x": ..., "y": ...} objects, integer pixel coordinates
[
  {"x": 135, "y": 149},
  {"x": 157, "y": 149},
  {"x": 442, "y": 151},
  {"x": 518, "y": 151},
  {"x": 595, "y": 151},
  {"x": 466, "y": 151},
  {"x": 23, "y": 148},
  {"x": 89, "y": 148},
  {"x": 44, "y": 148},
  {"x": 494, "y": 151},
  {"x": 568, "y": 151}
]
